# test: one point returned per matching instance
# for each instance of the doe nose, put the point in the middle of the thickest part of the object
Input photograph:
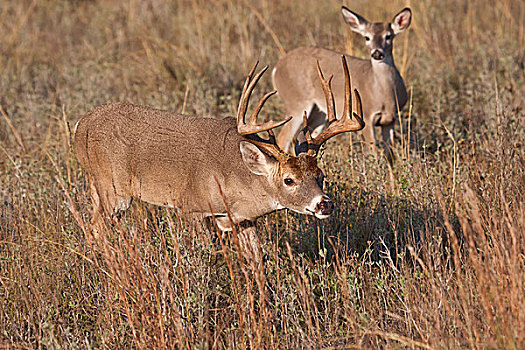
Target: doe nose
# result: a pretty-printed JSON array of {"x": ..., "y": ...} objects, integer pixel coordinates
[
  {"x": 325, "y": 207},
  {"x": 378, "y": 55}
]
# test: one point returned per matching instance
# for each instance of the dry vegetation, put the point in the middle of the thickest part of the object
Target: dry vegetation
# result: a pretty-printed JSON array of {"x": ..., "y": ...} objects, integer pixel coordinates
[{"x": 430, "y": 255}]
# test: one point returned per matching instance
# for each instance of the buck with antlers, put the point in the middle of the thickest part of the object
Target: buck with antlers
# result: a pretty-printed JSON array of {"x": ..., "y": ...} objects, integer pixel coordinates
[
  {"x": 377, "y": 79},
  {"x": 184, "y": 162}
]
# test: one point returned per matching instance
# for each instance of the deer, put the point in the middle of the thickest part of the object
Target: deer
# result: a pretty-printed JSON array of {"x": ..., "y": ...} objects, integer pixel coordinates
[
  {"x": 203, "y": 167},
  {"x": 377, "y": 79}
]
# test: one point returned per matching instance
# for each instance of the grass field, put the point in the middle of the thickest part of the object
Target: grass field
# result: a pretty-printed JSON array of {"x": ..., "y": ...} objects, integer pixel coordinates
[{"x": 428, "y": 255}]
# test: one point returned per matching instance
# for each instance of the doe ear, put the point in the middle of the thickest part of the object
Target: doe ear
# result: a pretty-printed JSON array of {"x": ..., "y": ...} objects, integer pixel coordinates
[
  {"x": 255, "y": 159},
  {"x": 402, "y": 20},
  {"x": 355, "y": 21}
]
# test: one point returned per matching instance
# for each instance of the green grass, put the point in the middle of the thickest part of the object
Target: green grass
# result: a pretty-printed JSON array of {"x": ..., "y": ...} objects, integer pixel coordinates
[{"x": 430, "y": 254}]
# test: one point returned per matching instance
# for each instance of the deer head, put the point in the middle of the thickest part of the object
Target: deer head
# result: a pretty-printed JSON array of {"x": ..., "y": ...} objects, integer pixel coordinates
[
  {"x": 296, "y": 179},
  {"x": 379, "y": 36}
]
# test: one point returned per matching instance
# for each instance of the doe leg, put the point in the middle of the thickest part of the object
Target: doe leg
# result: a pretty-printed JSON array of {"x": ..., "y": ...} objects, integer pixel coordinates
[
  {"x": 290, "y": 129},
  {"x": 368, "y": 133},
  {"x": 387, "y": 132}
]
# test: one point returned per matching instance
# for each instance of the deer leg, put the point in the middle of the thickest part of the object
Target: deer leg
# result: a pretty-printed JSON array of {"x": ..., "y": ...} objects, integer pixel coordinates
[
  {"x": 290, "y": 129},
  {"x": 223, "y": 223},
  {"x": 286, "y": 136},
  {"x": 106, "y": 201},
  {"x": 250, "y": 244},
  {"x": 97, "y": 208},
  {"x": 121, "y": 204},
  {"x": 368, "y": 133},
  {"x": 248, "y": 239},
  {"x": 200, "y": 225},
  {"x": 387, "y": 132},
  {"x": 316, "y": 121}
]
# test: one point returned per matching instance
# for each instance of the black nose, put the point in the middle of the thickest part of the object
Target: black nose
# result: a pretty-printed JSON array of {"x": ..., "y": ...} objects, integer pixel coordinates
[
  {"x": 325, "y": 207},
  {"x": 377, "y": 55}
]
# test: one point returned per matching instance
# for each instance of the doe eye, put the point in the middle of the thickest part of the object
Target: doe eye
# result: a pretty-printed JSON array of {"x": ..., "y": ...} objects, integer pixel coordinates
[
  {"x": 388, "y": 37},
  {"x": 367, "y": 38},
  {"x": 289, "y": 182}
]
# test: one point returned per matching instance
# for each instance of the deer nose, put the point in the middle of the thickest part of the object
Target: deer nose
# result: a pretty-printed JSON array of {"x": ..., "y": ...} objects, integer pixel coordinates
[
  {"x": 325, "y": 207},
  {"x": 378, "y": 55}
]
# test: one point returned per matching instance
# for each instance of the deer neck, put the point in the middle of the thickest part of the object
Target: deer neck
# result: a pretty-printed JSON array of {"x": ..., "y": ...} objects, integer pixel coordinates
[
  {"x": 253, "y": 207},
  {"x": 388, "y": 81},
  {"x": 260, "y": 200},
  {"x": 385, "y": 67},
  {"x": 385, "y": 73}
]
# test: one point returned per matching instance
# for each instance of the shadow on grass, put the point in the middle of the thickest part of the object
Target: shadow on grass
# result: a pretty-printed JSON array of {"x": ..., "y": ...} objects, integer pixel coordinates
[{"x": 368, "y": 223}]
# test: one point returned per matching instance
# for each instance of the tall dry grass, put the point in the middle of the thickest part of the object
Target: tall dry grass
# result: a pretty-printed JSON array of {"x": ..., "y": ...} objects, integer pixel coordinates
[{"x": 427, "y": 255}]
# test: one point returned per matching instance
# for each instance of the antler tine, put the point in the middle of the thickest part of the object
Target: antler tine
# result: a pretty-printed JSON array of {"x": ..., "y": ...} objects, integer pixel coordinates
[
  {"x": 243, "y": 101},
  {"x": 252, "y": 86},
  {"x": 267, "y": 126},
  {"x": 311, "y": 151},
  {"x": 271, "y": 136},
  {"x": 359, "y": 115},
  {"x": 346, "y": 123},
  {"x": 251, "y": 127},
  {"x": 347, "y": 112},
  {"x": 307, "y": 134},
  {"x": 329, "y": 96},
  {"x": 247, "y": 89},
  {"x": 301, "y": 141}
]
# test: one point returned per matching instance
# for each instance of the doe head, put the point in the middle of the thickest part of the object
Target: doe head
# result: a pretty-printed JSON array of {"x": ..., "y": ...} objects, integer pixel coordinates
[{"x": 379, "y": 36}]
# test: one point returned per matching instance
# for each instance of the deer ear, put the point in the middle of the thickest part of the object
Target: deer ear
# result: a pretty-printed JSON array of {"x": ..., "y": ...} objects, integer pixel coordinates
[
  {"x": 255, "y": 159},
  {"x": 401, "y": 21},
  {"x": 355, "y": 21}
]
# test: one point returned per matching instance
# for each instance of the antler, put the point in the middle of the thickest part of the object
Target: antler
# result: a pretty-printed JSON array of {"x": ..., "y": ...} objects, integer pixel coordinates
[
  {"x": 251, "y": 127},
  {"x": 335, "y": 126}
]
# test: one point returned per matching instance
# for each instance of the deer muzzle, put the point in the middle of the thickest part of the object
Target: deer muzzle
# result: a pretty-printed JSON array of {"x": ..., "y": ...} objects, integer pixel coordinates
[
  {"x": 324, "y": 207},
  {"x": 378, "y": 55}
]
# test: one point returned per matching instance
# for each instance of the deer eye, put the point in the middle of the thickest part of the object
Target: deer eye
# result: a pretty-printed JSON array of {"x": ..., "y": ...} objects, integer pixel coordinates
[
  {"x": 388, "y": 36},
  {"x": 289, "y": 182},
  {"x": 367, "y": 38}
]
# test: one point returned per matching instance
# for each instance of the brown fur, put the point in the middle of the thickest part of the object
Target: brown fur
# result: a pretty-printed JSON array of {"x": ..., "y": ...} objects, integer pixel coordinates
[
  {"x": 164, "y": 158},
  {"x": 379, "y": 83}
]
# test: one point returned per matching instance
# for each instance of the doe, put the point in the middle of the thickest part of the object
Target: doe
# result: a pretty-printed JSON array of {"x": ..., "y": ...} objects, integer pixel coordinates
[
  {"x": 204, "y": 167},
  {"x": 377, "y": 79}
]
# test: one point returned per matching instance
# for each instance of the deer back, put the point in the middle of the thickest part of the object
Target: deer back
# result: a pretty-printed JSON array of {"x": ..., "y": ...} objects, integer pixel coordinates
[
  {"x": 169, "y": 159},
  {"x": 295, "y": 78}
]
